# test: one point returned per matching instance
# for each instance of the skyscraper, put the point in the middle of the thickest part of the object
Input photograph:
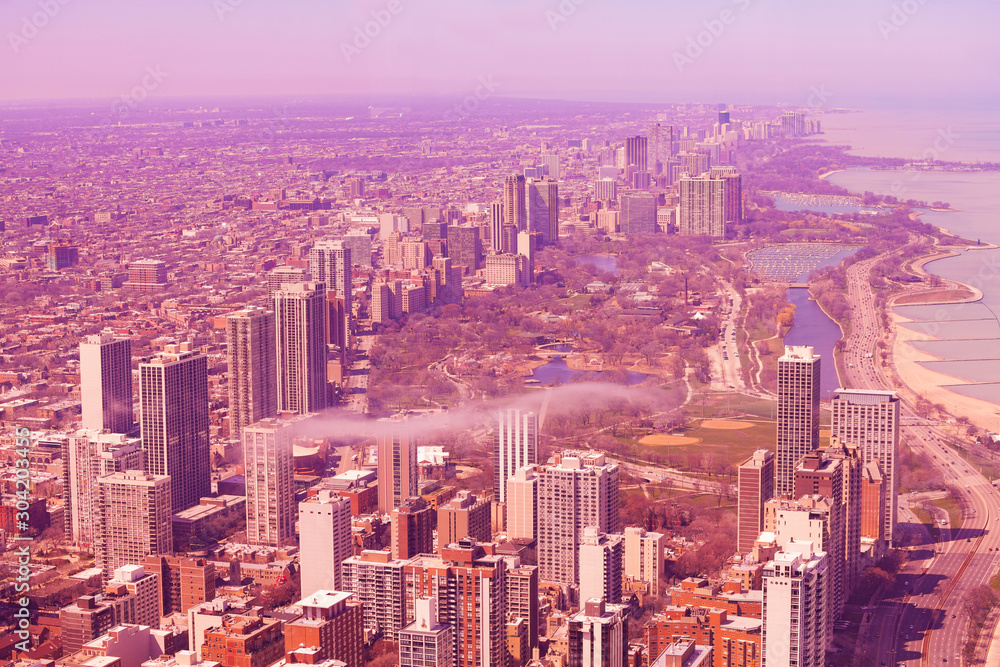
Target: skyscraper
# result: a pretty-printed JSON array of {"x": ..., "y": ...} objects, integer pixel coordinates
[
  {"x": 638, "y": 213},
  {"x": 497, "y": 223},
  {"x": 870, "y": 419},
  {"x": 397, "y": 464},
  {"x": 330, "y": 263},
  {"x": 253, "y": 384},
  {"x": 702, "y": 207},
  {"x": 732, "y": 192},
  {"x": 601, "y": 560},
  {"x": 661, "y": 145},
  {"x": 575, "y": 491},
  {"x": 755, "y": 487},
  {"x": 426, "y": 641},
  {"x": 552, "y": 162},
  {"x": 324, "y": 541},
  {"x": 515, "y": 445},
  {"x": 818, "y": 474},
  {"x": 637, "y": 152},
  {"x": 106, "y": 383},
  {"x": 133, "y": 520},
  {"x": 465, "y": 515},
  {"x": 465, "y": 247},
  {"x": 598, "y": 635},
  {"x": 269, "y": 468},
  {"x": 542, "y": 202},
  {"x": 522, "y": 503},
  {"x": 411, "y": 530},
  {"x": 795, "y": 598},
  {"x": 376, "y": 579},
  {"x": 798, "y": 413},
  {"x": 644, "y": 556},
  {"x": 173, "y": 417},
  {"x": 514, "y": 209},
  {"x": 300, "y": 321}
]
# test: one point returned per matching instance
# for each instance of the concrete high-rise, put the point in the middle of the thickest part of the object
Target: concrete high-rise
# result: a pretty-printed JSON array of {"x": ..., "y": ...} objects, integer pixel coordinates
[
  {"x": 796, "y": 633},
  {"x": 522, "y": 597},
  {"x": 598, "y": 635},
  {"x": 601, "y": 560},
  {"x": 542, "y": 202},
  {"x": 283, "y": 275},
  {"x": 330, "y": 263},
  {"x": 515, "y": 445},
  {"x": 644, "y": 556},
  {"x": 575, "y": 491},
  {"x": 324, "y": 541},
  {"x": 497, "y": 224},
  {"x": 818, "y": 474},
  {"x": 133, "y": 520},
  {"x": 397, "y": 464},
  {"x": 522, "y": 504},
  {"x": 755, "y": 487},
  {"x": 732, "y": 192},
  {"x": 637, "y": 214},
  {"x": 87, "y": 456},
  {"x": 269, "y": 471},
  {"x": 514, "y": 206},
  {"x": 702, "y": 207},
  {"x": 426, "y": 641},
  {"x": 253, "y": 384},
  {"x": 465, "y": 515},
  {"x": 376, "y": 579},
  {"x": 852, "y": 469},
  {"x": 106, "y": 383},
  {"x": 870, "y": 420},
  {"x": 798, "y": 413},
  {"x": 300, "y": 323},
  {"x": 637, "y": 152},
  {"x": 173, "y": 417}
]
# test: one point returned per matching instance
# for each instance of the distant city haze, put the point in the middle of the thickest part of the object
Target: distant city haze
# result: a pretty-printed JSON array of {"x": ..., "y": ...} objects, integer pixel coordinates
[{"x": 831, "y": 54}]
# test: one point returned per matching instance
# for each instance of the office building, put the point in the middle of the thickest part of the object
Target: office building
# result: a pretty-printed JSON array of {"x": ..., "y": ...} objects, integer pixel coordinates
[
  {"x": 702, "y": 207},
  {"x": 173, "y": 418},
  {"x": 598, "y": 635},
  {"x": 465, "y": 515},
  {"x": 870, "y": 420},
  {"x": 330, "y": 263},
  {"x": 146, "y": 275},
  {"x": 324, "y": 541},
  {"x": 796, "y": 633},
  {"x": 133, "y": 520},
  {"x": 575, "y": 491},
  {"x": 852, "y": 468},
  {"x": 412, "y": 528},
  {"x": 755, "y": 487},
  {"x": 552, "y": 162},
  {"x": 606, "y": 189},
  {"x": 426, "y": 642},
  {"x": 253, "y": 383},
  {"x": 872, "y": 502},
  {"x": 184, "y": 582},
  {"x": 522, "y": 504},
  {"x": 269, "y": 469},
  {"x": 87, "y": 456},
  {"x": 470, "y": 586},
  {"x": 515, "y": 445},
  {"x": 637, "y": 153},
  {"x": 300, "y": 312},
  {"x": 497, "y": 224},
  {"x": 376, "y": 580},
  {"x": 465, "y": 248},
  {"x": 397, "y": 464},
  {"x": 601, "y": 560},
  {"x": 798, "y": 413},
  {"x": 542, "y": 201},
  {"x": 331, "y": 627},
  {"x": 644, "y": 556},
  {"x": 514, "y": 203},
  {"x": 106, "y": 383},
  {"x": 637, "y": 213},
  {"x": 732, "y": 192},
  {"x": 506, "y": 270},
  {"x": 821, "y": 476}
]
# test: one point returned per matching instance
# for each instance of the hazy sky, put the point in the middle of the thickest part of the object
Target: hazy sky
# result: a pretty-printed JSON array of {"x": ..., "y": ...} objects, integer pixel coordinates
[{"x": 852, "y": 52}]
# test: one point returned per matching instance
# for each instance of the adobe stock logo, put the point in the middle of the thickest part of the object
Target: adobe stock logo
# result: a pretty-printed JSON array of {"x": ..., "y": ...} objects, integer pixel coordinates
[
  {"x": 704, "y": 39},
  {"x": 363, "y": 35},
  {"x": 31, "y": 25},
  {"x": 124, "y": 105}
]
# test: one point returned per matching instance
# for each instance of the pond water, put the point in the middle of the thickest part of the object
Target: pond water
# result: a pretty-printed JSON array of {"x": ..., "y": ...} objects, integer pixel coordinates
[
  {"x": 812, "y": 327},
  {"x": 607, "y": 263},
  {"x": 558, "y": 371}
]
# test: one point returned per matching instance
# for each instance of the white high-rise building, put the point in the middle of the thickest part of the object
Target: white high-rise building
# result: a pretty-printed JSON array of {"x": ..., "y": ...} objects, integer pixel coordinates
[
  {"x": 376, "y": 579},
  {"x": 575, "y": 491},
  {"x": 795, "y": 631},
  {"x": 870, "y": 420},
  {"x": 324, "y": 541},
  {"x": 106, "y": 383},
  {"x": 134, "y": 519},
  {"x": 269, "y": 471},
  {"x": 253, "y": 384},
  {"x": 397, "y": 464},
  {"x": 798, "y": 413},
  {"x": 644, "y": 556},
  {"x": 87, "y": 456},
  {"x": 300, "y": 312},
  {"x": 330, "y": 262},
  {"x": 145, "y": 590},
  {"x": 601, "y": 559},
  {"x": 522, "y": 504},
  {"x": 702, "y": 207},
  {"x": 515, "y": 445},
  {"x": 173, "y": 417},
  {"x": 427, "y": 641},
  {"x": 598, "y": 635}
]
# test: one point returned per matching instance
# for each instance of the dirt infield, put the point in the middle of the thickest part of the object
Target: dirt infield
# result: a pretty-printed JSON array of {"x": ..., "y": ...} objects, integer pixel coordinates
[
  {"x": 726, "y": 425},
  {"x": 668, "y": 440}
]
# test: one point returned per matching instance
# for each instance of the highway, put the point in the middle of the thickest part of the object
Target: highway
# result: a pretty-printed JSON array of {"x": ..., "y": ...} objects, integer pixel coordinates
[
  {"x": 921, "y": 621},
  {"x": 728, "y": 370}
]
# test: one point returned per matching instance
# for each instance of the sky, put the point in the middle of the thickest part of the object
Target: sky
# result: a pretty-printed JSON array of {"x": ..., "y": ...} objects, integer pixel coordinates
[{"x": 849, "y": 53}]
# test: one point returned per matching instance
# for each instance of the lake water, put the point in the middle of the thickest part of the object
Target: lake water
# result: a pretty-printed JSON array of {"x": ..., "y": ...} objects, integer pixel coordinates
[
  {"x": 812, "y": 327},
  {"x": 558, "y": 371},
  {"x": 608, "y": 263}
]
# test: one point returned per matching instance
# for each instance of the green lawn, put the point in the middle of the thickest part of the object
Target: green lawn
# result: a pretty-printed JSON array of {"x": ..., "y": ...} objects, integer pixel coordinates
[{"x": 951, "y": 506}]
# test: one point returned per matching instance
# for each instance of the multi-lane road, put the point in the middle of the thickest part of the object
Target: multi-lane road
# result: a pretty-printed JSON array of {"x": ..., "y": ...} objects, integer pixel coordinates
[{"x": 922, "y": 620}]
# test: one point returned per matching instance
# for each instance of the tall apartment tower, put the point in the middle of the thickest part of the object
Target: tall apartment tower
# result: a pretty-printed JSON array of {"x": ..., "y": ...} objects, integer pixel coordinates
[
  {"x": 411, "y": 530},
  {"x": 702, "y": 207},
  {"x": 465, "y": 515},
  {"x": 269, "y": 470},
  {"x": 497, "y": 223},
  {"x": 376, "y": 579},
  {"x": 426, "y": 641},
  {"x": 853, "y": 473},
  {"x": 598, "y": 635},
  {"x": 818, "y": 474},
  {"x": 755, "y": 487},
  {"x": 515, "y": 445},
  {"x": 173, "y": 417},
  {"x": 644, "y": 556},
  {"x": 542, "y": 202},
  {"x": 253, "y": 383},
  {"x": 601, "y": 560},
  {"x": 661, "y": 145},
  {"x": 87, "y": 456},
  {"x": 330, "y": 263},
  {"x": 872, "y": 502},
  {"x": 870, "y": 419},
  {"x": 284, "y": 275},
  {"x": 795, "y": 598},
  {"x": 324, "y": 541},
  {"x": 522, "y": 503},
  {"x": 732, "y": 191},
  {"x": 575, "y": 491},
  {"x": 522, "y": 597},
  {"x": 134, "y": 519},
  {"x": 514, "y": 207},
  {"x": 106, "y": 383},
  {"x": 798, "y": 413},
  {"x": 300, "y": 323},
  {"x": 470, "y": 586},
  {"x": 397, "y": 464},
  {"x": 330, "y": 628}
]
